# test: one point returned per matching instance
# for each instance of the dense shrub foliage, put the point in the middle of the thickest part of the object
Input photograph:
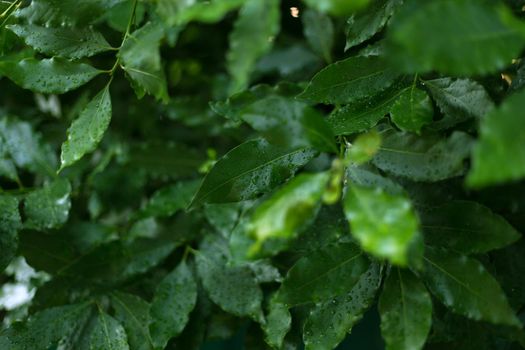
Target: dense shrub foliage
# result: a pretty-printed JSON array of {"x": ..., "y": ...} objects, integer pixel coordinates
[{"x": 178, "y": 171}]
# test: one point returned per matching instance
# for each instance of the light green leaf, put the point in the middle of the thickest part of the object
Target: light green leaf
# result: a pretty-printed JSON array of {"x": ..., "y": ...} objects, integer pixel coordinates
[
  {"x": 319, "y": 32},
  {"x": 49, "y": 206},
  {"x": 384, "y": 224},
  {"x": 10, "y": 223},
  {"x": 278, "y": 323},
  {"x": 64, "y": 42},
  {"x": 406, "y": 311},
  {"x": 363, "y": 148},
  {"x": 365, "y": 24},
  {"x": 45, "y": 329},
  {"x": 412, "y": 110},
  {"x": 465, "y": 287},
  {"x": 279, "y": 219},
  {"x": 233, "y": 288},
  {"x": 178, "y": 13},
  {"x": 365, "y": 113},
  {"x": 448, "y": 36},
  {"x": 499, "y": 154},
  {"x": 337, "y": 7},
  {"x": 329, "y": 322},
  {"x": 86, "y": 132},
  {"x": 48, "y": 76},
  {"x": 349, "y": 80},
  {"x": 248, "y": 170},
  {"x": 170, "y": 199},
  {"x": 107, "y": 334},
  {"x": 326, "y": 273},
  {"x": 133, "y": 313},
  {"x": 459, "y": 100},
  {"x": 175, "y": 297},
  {"x": 290, "y": 124},
  {"x": 252, "y": 36},
  {"x": 140, "y": 58},
  {"x": 467, "y": 227},
  {"x": 427, "y": 158}
]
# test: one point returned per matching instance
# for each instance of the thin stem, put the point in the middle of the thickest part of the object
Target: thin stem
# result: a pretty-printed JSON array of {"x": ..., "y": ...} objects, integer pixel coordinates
[
  {"x": 131, "y": 20},
  {"x": 8, "y": 10}
]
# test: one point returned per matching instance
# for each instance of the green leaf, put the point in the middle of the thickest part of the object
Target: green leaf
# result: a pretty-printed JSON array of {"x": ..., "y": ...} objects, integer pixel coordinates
[
  {"x": 49, "y": 206},
  {"x": 278, "y": 323},
  {"x": 319, "y": 32},
  {"x": 48, "y": 76},
  {"x": 86, "y": 132},
  {"x": 64, "y": 42},
  {"x": 464, "y": 286},
  {"x": 175, "y": 13},
  {"x": 467, "y": 227},
  {"x": 459, "y": 100},
  {"x": 412, "y": 110},
  {"x": 365, "y": 24},
  {"x": 447, "y": 36},
  {"x": 279, "y": 219},
  {"x": 170, "y": 199},
  {"x": 427, "y": 158},
  {"x": 384, "y": 224},
  {"x": 363, "y": 147},
  {"x": 337, "y": 7},
  {"x": 108, "y": 333},
  {"x": 406, "y": 311},
  {"x": 368, "y": 176},
  {"x": 252, "y": 36},
  {"x": 133, "y": 313},
  {"x": 330, "y": 321},
  {"x": 45, "y": 329},
  {"x": 174, "y": 299},
  {"x": 140, "y": 58},
  {"x": 349, "y": 80},
  {"x": 10, "y": 223},
  {"x": 248, "y": 170},
  {"x": 290, "y": 124},
  {"x": 329, "y": 272},
  {"x": 499, "y": 154},
  {"x": 233, "y": 288},
  {"x": 365, "y": 113}
]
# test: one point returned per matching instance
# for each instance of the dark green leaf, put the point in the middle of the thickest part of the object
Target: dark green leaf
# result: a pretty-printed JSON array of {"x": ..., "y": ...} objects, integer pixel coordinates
[
  {"x": 319, "y": 31},
  {"x": 329, "y": 272},
  {"x": 252, "y": 36},
  {"x": 48, "y": 207},
  {"x": 467, "y": 227},
  {"x": 248, "y": 170},
  {"x": 86, "y": 132},
  {"x": 168, "y": 200},
  {"x": 384, "y": 224},
  {"x": 428, "y": 158},
  {"x": 48, "y": 76},
  {"x": 108, "y": 333},
  {"x": 133, "y": 313},
  {"x": 499, "y": 154},
  {"x": 140, "y": 59},
  {"x": 464, "y": 286},
  {"x": 173, "y": 301},
  {"x": 64, "y": 42},
  {"x": 10, "y": 223},
  {"x": 338, "y": 7},
  {"x": 349, "y": 80},
  {"x": 412, "y": 110},
  {"x": 278, "y": 323},
  {"x": 330, "y": 321},
  {"x": 179, "y": 13},
  {"x": 406, "y": 311}
]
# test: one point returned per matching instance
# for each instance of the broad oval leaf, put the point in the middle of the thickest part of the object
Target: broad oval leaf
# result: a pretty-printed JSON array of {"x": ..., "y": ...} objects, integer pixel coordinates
[
  {"x": 384, "y": 224},
  {"x": 426, "y": 158},
  {"x": 329, "y": 322},
  {"x": 248, "y": 170},
  {"x": 406, "y": 311},
  {"x": 108, "y": 333},
  {"x": 10, "y": 223},
  {"x": 133, "y": 313},
  {"x": 349, "y": 80},
  {"x": 86, "y": 132},
  {"x": 465, "y": 286},
  {"x": 48, "y": 76},
  {"x": 499, "y": 154},
  {"x": 278, "y": 323},
  {"x": 319, "y": 32},
  {"x": 467, "y": 227},
  {"x": 448, "y": 36},
  {"x": 175, "y": 297},
  {"x": 49, "y": 206},
  {"x": 290, "y": 124},
  {"x": 329, "y": 272},
  {"x": 412, "y": 110},
  {"x": 64, "y": 42},
  {"x": 278, "y": 220},
  {"x": 181, "y": 13}
]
